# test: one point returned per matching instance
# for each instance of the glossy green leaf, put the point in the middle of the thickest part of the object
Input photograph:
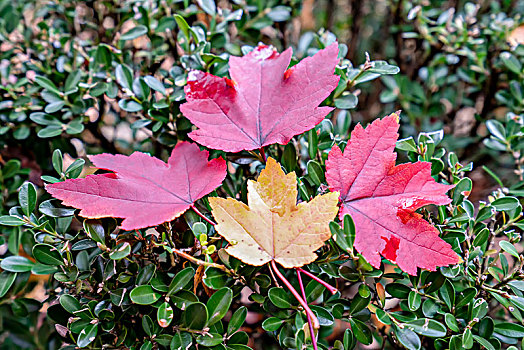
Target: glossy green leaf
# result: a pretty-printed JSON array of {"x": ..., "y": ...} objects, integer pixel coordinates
[
  {"x": 49, "y": 209},
  {"x": 144, "y": 295},
  {"x": 134, "y": 33},
  {"x": 41, "y": 269},
  {"x": 509, "y": 248},
  {"x": 508, "y": 329},
  {"x": 485, "y": 343},
  {"x": 348, "y": 101},
  {"x": 120, "y": 251},
  {"x": 236, "y": 321},
  {"x": 7, "y": 220},
  {"x": 46, "y": 84},
  {"x": 272, "y": 324},
  {"x": 408, "y": 338},
  {"x": 130, "y": 105},
  {"x": 210, "y": 339},
  {"x": 27, "y": 198},
  {"x": 146, "y": 274},
  {"x": 196, "y": 316},
  {"x": 57, "y": 160},
  {"x": 16, "y": 264},
  {"x": 312, "y": 143},
  {"x": 447, "y": 294},
  {"x": 361, "y": 331},
  {"x": 47, "y": 254},
  {"x": 95, "y": 230},
  {"x": 124, "y": 76},
  {"x": 148, "y": 326},
  {"x": 87, "y": 335},
  {"x": 218, "y": 304},
  {"x": 6, "y": 281},
  {"x": 511, "y": 62},
  {"x": 289, "y": 157},
  {"x": 414, "y": 300},
  {"x": 155, "y": 84},
  {"x": 280, "y": 298},
  {"x": 451, "y": 322},
  {"x": 464, "y": 297},
  {"x": 180, "y": 280},
  {"x": 358, "y": 303},
  {"x": 182, "y": 25},
  {"x": 467, "y": 339},
  {"x": 479, "y": 308},
  {"x": 427, "y": 327},
  {"x": 407, "y": 145},
  {"x": 505, "y": 203},
  {"x": 325, "y": 318},
  {"x": 70, "y": 303},
  {"x": 181, "y": 340}
]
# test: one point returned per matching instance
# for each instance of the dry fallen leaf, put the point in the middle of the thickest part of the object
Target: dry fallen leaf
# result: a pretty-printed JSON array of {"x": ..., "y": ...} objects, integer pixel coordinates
[{"x": 273, "y": 226}]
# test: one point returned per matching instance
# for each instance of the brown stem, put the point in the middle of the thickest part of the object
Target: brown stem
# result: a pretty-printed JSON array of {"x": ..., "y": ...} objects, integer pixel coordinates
[
  {"x": 397, "y": 35},
  {"x": 330, "y": 11},
  {"x": 201, "y": 262},
  {"x": 356, "y": 24},
  {"x": 273, "y": 277}
]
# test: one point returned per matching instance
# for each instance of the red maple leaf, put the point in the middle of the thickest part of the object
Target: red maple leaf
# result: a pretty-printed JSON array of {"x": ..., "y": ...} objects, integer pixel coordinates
[
  {"x": 143, "y": 190},
  {"x": 264, "y": 103},
  {"x": 382, "y": 199}
]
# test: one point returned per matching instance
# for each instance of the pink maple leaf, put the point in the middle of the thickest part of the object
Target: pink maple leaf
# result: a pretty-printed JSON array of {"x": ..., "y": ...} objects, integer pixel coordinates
[
  {"x": 382, "y": 199},
  {"x": 264, "y": 102},
  {"x": 143, "y": 190}
]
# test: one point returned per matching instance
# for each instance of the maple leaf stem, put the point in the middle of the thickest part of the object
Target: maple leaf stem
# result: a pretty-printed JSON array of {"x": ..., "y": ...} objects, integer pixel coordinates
[
  {"x": 311, "y": 330},
  {"x": 263, "y": 154},
  {"x": 314, "y": 319},
  {"x": 329, "y": 287},
  {"x": 202, "y": 215}
]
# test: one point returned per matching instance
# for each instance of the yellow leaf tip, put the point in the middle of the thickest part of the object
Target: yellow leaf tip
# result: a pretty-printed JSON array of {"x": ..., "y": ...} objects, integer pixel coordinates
[{"x": 396, "y": 115}]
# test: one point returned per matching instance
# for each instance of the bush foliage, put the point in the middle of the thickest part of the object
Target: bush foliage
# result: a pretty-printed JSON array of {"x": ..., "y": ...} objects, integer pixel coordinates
[{"x": 86, "y": 77}]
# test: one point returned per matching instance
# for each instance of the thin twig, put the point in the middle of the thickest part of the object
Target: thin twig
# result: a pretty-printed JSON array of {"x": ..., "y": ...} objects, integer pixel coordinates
[
  {"x": 202, "y": 215},
  {"x": 329, "y": 287},
  {"x": 28, "y": 221},
  {"x": 314, "y": 319},
  {"x": 311, "y": 330},
  {"x": 201, "y": 262},
  {"x": 273, "y": 276},
  {"x": 170, "y": 240}
]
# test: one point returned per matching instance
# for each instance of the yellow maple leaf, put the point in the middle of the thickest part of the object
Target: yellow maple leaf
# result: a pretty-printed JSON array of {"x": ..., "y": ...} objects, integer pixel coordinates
[{"x": 273, "y": 226}]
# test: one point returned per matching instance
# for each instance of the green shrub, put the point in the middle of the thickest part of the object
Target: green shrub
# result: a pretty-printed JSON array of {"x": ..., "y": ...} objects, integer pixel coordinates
[{"x": 80, "y": 78}]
